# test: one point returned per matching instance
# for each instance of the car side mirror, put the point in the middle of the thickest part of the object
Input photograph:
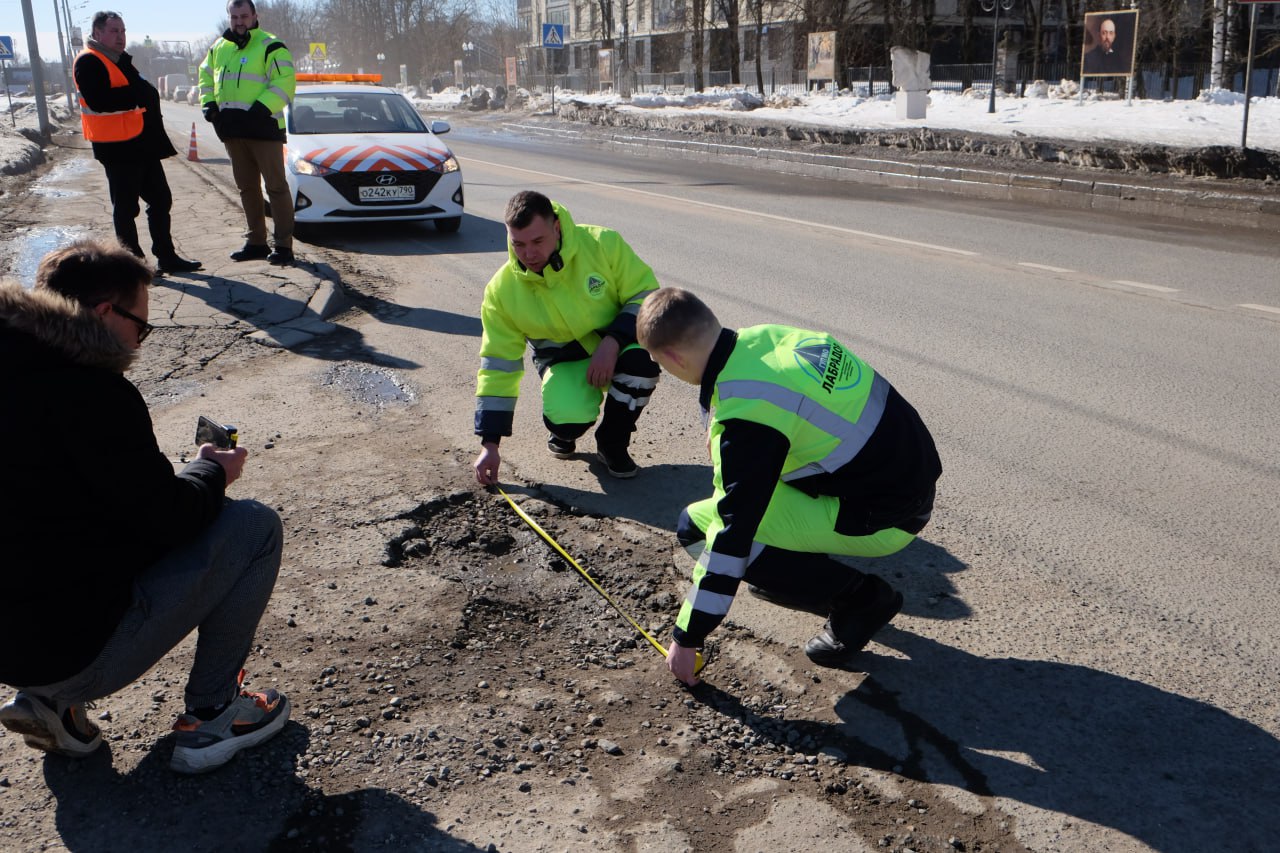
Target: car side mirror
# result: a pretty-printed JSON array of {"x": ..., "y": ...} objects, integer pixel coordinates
[{"x": 438, "y": 127}]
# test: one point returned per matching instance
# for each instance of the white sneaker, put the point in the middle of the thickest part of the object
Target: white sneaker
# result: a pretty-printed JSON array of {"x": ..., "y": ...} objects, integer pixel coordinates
[{"x": 70, "y": 734}]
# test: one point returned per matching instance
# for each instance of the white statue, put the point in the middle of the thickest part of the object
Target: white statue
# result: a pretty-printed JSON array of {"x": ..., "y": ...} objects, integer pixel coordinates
[{"x": 910, "y": 69}]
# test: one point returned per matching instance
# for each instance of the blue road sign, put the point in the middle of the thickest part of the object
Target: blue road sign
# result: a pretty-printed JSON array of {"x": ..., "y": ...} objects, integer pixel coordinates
[
  {"x": 553, "y": 35},
  {"x": 6, "y": 47}
]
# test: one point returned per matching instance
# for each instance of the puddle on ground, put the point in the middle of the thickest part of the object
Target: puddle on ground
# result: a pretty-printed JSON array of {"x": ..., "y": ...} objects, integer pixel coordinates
[
  {"x": 68, "y": 172},
  {"x": 29, "y": 245},
  {"x": 374, "y": 386}
]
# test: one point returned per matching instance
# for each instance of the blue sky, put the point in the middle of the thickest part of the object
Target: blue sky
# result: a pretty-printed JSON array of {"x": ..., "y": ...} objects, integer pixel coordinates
[{"x": 160, "y": 19}]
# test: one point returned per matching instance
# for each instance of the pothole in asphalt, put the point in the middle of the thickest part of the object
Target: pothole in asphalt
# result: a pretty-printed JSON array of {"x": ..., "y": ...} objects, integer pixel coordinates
[
  {"x": 31, "y": 244},
  {"x": 373, "y": 386}
]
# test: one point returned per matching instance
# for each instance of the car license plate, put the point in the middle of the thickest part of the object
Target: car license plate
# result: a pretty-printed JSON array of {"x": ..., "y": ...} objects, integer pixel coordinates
[{"x": 386, "y": 193}]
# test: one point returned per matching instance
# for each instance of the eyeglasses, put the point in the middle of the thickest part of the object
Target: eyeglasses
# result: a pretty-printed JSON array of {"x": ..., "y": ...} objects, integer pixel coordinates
[{"x": 144, "y": 328}]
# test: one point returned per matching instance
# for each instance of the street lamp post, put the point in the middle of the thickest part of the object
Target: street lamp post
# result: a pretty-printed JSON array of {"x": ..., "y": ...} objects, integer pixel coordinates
[
  {"x": 995, "y": 6},
  {"x": 382, "y": 57},
  {"x": 467, "y": 48}
]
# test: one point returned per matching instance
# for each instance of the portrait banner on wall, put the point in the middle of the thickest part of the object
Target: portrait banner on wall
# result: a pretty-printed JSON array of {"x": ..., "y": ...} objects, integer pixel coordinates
[
  {"x": 822, "y": 56},
  {"x": 1109, "y": 44},
  {"x": 605, "y": 64}
]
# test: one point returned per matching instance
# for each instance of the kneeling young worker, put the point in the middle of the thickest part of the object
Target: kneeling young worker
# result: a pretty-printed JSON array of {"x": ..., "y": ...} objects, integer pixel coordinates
[{"x": 814, "y": 454}]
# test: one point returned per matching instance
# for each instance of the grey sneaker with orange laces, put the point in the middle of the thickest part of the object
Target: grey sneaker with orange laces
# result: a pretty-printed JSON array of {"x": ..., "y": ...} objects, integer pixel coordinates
[{"x": 248, "y": 720}]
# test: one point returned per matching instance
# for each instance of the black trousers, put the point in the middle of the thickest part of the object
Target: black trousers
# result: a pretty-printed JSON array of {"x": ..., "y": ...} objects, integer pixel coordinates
[{"x": 133, "y": 180}]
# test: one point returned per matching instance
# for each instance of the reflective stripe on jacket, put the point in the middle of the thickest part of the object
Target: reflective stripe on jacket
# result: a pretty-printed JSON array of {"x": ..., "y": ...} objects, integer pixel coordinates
[
  {"x": 118, "y": 126},
  {"x": 560, "y": 315}
]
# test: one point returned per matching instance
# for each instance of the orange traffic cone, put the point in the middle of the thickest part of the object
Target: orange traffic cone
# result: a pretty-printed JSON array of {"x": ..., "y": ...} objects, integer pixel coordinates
[{"x": 191, "y": 150}]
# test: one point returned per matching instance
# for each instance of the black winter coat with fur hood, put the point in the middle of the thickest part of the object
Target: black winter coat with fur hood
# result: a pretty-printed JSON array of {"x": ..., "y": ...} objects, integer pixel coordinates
[{"x": 87, "y": 500}]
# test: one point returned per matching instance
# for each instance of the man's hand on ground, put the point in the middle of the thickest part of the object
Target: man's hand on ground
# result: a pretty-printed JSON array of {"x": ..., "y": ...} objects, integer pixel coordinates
[
  {"x": 682, "y": 662},
  {"x": 486, "y": 465},
  {"x": 600, "y": 371}
]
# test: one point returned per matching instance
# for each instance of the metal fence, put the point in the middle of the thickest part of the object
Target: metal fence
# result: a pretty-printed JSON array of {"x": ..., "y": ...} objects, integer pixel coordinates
[{"x": 1153, "y": 80}]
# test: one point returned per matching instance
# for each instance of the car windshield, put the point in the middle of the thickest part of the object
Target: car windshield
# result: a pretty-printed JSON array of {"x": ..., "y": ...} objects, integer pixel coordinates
[{"x": 353, "y": 112}]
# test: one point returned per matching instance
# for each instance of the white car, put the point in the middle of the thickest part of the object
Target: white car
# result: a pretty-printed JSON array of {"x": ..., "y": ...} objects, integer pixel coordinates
[{"x": 362, "y": 153}]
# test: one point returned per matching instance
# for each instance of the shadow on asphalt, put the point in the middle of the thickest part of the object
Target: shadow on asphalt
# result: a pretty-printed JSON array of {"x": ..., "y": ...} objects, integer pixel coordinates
[
  {"x": 254, "y": 803},
  {"x": 477, "y": 235},
  {"x": 1177, "y": 774}
]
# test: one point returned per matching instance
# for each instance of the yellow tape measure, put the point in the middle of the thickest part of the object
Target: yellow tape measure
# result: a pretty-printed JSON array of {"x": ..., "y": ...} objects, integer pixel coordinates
[{"x": 699, "y": 662}]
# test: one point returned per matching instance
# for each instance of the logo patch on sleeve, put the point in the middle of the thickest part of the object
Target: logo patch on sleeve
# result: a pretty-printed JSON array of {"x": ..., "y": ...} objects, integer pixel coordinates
[{"x": 828, "y": 363}]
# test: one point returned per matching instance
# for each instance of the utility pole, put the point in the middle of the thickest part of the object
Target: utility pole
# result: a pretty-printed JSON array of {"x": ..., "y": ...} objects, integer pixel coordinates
[
  {"x": 62, "y": 52},
  {"x": 37, "y": 70}
]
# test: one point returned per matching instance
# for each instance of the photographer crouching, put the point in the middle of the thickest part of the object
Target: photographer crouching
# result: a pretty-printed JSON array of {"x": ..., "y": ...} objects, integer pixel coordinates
[{"x": 110, "y": 558}]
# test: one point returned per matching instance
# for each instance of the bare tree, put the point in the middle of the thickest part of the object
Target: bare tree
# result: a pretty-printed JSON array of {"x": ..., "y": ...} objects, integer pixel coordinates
[{"x": 732, "y": 20}]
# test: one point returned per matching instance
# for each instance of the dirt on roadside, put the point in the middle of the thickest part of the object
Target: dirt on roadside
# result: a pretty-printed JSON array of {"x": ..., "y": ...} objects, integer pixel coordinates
[{"x": 455, "y": 684}]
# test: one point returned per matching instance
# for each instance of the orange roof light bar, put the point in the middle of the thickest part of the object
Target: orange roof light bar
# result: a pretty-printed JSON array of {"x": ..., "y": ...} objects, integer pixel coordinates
[{"x": 338, "y": 78}]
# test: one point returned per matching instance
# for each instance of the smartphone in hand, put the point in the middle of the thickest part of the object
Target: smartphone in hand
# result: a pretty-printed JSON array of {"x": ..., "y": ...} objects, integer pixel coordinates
[{"x": 209, "y": 431}]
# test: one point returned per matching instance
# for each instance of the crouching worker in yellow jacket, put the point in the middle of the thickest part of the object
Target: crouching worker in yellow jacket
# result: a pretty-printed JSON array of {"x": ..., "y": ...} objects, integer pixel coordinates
[
  {"x": 570, "y": 293},
  {"x": 814, "y": 453}
]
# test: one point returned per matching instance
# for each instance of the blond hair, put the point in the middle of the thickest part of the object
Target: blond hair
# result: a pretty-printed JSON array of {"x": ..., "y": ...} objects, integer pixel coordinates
[{"x": 672, "y": 317}]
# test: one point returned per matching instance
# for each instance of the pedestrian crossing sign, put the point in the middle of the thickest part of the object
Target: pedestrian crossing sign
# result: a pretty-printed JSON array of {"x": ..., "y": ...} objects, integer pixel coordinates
[
  {"x": 6, "y": 47},
  {"x": 318, "y": 52},
  {"x": 553, "y": 35}
]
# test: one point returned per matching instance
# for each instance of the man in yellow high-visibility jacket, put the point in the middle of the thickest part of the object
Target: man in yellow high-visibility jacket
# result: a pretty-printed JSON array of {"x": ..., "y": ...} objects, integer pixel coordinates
[
  {"x": 246, "y": 81},
  {"x": 570, "y": 293},
  {"x": 814, "y": 453}
]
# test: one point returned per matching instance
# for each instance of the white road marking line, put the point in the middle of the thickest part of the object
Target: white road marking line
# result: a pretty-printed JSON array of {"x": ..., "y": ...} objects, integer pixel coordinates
[
  {"x": 804, "y": 222},
  {"x": 1043, "y": 267},
  {"x": 1269, "y": 309},
  {"x": 1156, "y": 287}
]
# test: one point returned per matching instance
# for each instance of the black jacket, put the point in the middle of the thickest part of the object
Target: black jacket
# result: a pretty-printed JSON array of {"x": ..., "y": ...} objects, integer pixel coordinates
[
  {"x": 95, "y": 87},
  {"x": 88, "y": 500}
]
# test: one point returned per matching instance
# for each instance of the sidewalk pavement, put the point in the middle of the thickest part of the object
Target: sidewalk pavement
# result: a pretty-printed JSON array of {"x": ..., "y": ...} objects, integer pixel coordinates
[{"x": 287, "y": 305}]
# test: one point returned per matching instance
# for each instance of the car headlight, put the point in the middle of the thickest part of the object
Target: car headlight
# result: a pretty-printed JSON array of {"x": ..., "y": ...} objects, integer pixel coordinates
[
  {"x": 301, "y": 166},
  {"x": 449, "y": 164}
]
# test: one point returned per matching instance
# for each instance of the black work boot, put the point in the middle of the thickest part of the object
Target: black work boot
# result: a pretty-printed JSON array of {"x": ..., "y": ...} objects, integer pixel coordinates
[
  {"x": 613, "y": 436},
  {"x": 617, "y": 460},
  {"x": 251, "y": 252},
  {"x": 561, "y": 448},
  {"x": 858, "y": 614}
]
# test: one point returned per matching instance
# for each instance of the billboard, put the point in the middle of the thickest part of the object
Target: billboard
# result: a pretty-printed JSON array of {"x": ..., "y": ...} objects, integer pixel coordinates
[
  {"x": 822, "y": 56},
  {"x": 1109, "y": 43}
]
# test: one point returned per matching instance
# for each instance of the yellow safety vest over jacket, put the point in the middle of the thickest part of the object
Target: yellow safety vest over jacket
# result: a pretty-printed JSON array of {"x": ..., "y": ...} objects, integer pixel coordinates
[
  {"x": 560, "y": 314},
  {"x": 794, "y": 406},
  {"x": 251, "y": 79}
]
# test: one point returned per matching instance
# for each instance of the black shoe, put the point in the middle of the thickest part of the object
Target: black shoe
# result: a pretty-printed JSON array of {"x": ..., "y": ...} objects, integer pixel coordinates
[
  {"x": 869, "y": 607},
  {"x": 618, "y": 461},
  {"x": 561, "y": 448},
  {"x": 810, "y": 605},
  {"x": 251, "y": 252},
  {"x": 280, "y": 257},
  {"x": 173, "y": 263}
]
